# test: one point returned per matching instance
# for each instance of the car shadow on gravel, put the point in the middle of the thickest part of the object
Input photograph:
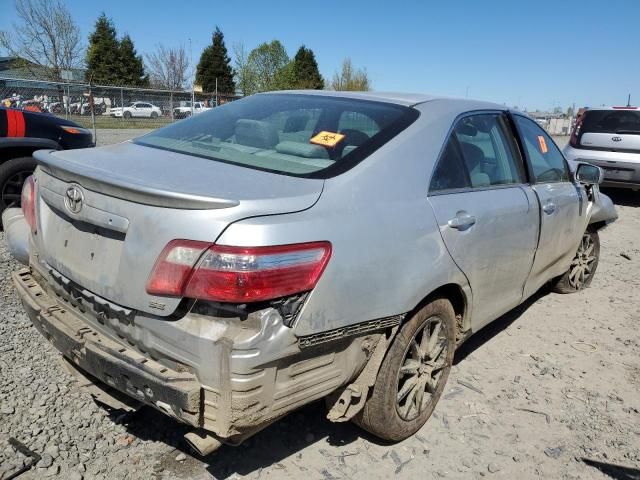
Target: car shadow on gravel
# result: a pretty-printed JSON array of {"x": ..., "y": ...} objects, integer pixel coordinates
[
  {"x": 286, "y": 438},
  {"x": 623, "y": 197},
  {"x": 283, "y": 439}
]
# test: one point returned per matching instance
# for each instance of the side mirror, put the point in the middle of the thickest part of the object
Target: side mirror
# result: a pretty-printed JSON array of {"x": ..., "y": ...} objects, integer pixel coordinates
[{"x": 588, "y": 174}]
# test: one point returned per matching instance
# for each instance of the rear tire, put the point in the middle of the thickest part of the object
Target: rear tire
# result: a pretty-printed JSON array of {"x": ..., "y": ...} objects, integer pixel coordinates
[
  {"x": 154, "y": 115},
  {"x": 126, "y": 114},
  {"x": 12, "y": 175},
  {"x": 412, "y": 375},
  {"x": 583, "y": 266}
]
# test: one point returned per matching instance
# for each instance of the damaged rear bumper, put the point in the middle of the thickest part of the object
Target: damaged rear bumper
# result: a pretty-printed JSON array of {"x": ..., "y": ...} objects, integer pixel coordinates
[
  {"x": 223, "y": 374},
  {"x": 175, "y": 393}
]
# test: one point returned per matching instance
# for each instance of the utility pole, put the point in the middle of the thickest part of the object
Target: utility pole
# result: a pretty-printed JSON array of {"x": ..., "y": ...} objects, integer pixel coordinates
[
  {"x": 216, "y": 91},
  {"x": 193, "y": 78},
  {"x": 629, "y": 100}
]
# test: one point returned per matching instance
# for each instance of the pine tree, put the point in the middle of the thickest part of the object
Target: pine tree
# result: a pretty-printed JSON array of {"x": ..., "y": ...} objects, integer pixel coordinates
[
  {"x": 131, "y": 66},
  {"x": 306, "y": 70},
  {"x": 103, "y": 53},
  {"x": 215, "y": 63}
]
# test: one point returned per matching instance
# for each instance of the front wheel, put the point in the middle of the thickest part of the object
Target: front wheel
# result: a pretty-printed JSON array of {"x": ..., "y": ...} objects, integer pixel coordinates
[
  {"x": 154, "y": 115},
  {"x": 412, "y": 375},
  {"x": 126, "y": 114},
  {"x": 583, "y": 266}
]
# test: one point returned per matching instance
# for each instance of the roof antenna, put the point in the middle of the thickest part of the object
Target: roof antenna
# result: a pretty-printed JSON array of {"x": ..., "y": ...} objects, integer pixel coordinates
[{"x": 629, "y": 100}]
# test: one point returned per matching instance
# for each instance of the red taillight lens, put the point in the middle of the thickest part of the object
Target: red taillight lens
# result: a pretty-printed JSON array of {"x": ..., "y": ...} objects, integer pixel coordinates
[
  {"x": 174, "y": 266},
  {"x": 28, "y": 202},
  {"x": 573, "y": 140},
  {"x": 240, "y": 274}
]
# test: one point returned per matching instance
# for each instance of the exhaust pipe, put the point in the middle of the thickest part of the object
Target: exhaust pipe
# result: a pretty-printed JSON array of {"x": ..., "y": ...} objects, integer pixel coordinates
[{"x": 202, "y": 443}]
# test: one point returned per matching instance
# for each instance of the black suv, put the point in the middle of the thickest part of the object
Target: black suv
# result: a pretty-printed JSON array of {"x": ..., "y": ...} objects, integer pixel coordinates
[{"x": 23, "y": 132}]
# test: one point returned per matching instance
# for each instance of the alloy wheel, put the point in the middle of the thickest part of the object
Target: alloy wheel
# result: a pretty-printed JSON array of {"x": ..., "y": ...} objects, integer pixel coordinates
[
  {"x": 424, "y": 361},
  {"x": 582, "y": 264}
]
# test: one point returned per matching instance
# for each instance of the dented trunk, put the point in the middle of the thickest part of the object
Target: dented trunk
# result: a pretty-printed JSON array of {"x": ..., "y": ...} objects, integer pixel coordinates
[{"x": 103, "y": 218}]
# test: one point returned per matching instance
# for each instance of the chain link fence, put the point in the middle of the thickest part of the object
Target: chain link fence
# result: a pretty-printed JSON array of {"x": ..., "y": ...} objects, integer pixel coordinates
[{"x": 107, "y": 107}]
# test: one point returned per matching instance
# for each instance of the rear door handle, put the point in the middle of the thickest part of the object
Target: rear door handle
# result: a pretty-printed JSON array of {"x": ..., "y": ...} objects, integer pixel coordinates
[
  {"x": 462, "y": 221},
  {"x": 549, "y": 208}
]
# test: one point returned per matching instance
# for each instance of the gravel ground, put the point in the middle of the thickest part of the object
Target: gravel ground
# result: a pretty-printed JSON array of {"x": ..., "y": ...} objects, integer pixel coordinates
[{"x": 550, "y": 390}]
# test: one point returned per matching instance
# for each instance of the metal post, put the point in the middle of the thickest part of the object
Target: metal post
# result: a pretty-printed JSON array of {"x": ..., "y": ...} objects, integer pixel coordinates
[
  {"x": 216, "y": 91},
  {"x": 66, "y": 104},
  {"x": 171, "y": 104},
  {"x": 93, "y": 116},
  {"x": 121, "y": 104}
]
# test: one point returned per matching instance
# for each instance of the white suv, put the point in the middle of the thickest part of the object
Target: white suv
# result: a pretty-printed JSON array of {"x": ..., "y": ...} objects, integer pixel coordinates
[
  {"x": 609, "y": 137},
  {"x": 137, "y": 109}
]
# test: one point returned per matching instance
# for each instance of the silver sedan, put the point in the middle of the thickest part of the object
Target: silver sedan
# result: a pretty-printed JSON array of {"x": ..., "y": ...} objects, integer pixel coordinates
[{"x": 292, "y": 246}]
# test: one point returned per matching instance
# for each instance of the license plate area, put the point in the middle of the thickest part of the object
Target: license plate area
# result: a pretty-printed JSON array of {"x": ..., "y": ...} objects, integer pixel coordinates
[{"x": 81, "y": 251}]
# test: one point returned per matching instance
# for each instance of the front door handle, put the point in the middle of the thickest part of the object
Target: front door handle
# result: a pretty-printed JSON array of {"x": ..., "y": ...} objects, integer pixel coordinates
[
  {"x": 549, "y": 208},
  {"x": 462, "y": 221}
]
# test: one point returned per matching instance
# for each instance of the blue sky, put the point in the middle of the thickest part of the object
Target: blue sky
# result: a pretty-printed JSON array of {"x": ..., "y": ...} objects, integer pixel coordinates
[{"x": 534, "y": 54}]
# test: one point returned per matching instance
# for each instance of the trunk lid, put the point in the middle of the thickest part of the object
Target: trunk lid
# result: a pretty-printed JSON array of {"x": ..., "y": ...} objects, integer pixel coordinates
[
  {"x": 105, "y": 214},
  {"x": 611, "y": 130}
]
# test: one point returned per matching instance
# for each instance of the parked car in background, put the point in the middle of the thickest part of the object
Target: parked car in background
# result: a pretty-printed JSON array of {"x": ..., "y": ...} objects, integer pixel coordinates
[
  {"x": 21, "y": 134},
  {"x": 299, "y": 245},
  {"x": 185, "y": 110},
  {"x": 609, "y": 138},
  {"x": 137, "y": 110}
]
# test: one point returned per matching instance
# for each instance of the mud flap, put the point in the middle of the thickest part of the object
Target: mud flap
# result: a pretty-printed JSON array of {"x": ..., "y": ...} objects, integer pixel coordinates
[{"x": 353, "y": 397}]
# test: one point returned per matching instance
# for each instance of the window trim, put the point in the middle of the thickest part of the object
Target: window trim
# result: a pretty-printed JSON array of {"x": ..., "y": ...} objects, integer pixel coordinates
[
  {"x": 450, "y": 191},
  {"x": 523, "y": 150}
]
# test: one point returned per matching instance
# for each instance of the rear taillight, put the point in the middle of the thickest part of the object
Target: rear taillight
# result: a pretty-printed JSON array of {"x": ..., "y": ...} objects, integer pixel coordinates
[
  {"x": 237, "y": 274},
  {"x": 573, "y": 141},
  {"x": 28, "y": 202}
]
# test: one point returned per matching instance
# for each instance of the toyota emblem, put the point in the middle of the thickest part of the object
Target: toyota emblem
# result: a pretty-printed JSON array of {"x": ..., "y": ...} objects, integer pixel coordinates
[
  {"x": 616, "y": 139},
  {"x": 74, "y": 199}
]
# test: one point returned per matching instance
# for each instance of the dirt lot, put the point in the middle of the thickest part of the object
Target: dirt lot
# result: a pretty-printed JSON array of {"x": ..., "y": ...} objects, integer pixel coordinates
[{"x": 551, "y": 390}]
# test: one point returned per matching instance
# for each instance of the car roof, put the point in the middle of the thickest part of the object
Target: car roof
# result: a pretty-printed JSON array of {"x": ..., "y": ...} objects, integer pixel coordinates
[
  {"x": 405, "y": 99},
  {"x": 591, "y": 109}
]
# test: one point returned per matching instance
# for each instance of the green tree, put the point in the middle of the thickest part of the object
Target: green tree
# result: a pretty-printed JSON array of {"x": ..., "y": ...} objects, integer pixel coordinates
[
  {"x": 305, "y": 70},
  {"x": 351, "y": 79},
  {"x": 103, "y": 62},
  {"x": 131, "y": 66},
  {"x": 215, "y": 64},
  {"x": 264, "y": 64},
  {"x": 285, "y": 78}
]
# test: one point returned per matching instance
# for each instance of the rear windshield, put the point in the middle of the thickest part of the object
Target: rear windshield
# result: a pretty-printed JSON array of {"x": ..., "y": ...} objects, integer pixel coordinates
[
  {"x": 301, "y": 135},
  {"x": 611, "y": 121}
]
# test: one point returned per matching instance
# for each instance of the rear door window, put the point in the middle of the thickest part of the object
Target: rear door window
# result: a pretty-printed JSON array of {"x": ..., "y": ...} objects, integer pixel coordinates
[
  {"x": 450, "y": 172},
  {"x": 479, "y": 153},
  {"x": 488, "y": 151},
  {"x": 546, "y": 160}
]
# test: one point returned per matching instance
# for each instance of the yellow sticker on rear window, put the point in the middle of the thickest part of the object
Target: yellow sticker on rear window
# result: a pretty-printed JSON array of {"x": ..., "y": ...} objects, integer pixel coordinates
[
  {"x": 327, "y": 139},
  {"x": 543, "y": 144}
]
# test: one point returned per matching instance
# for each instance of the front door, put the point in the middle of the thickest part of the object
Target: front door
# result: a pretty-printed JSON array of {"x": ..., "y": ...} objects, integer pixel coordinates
[
  {"x": 562, "y": 204},
  {"x": 487, "y": 221}
]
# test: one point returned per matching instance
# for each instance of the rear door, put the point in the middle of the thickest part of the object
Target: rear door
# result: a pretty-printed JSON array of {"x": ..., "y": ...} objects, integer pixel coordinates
[
  {"x": 615, "y": 130},
  {"x": 562, "y": 204},
  {"x": 488, "y": 221}
]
